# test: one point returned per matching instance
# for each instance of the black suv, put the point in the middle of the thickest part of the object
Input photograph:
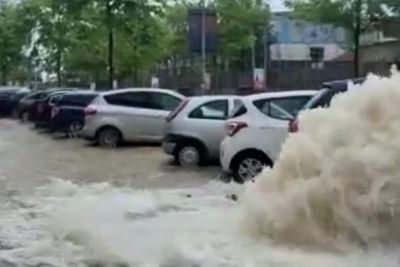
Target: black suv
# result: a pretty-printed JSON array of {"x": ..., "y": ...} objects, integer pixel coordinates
[{"x": 324, "y": 97}]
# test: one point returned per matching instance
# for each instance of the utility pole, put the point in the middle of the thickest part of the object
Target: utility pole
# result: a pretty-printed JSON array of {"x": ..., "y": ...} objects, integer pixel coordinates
[
  {"x": 110, "y": 45},
  {"x": 266, "y": 56},
  {"x": 357, "y": 34},
  {"x": 203, "y": 45}
]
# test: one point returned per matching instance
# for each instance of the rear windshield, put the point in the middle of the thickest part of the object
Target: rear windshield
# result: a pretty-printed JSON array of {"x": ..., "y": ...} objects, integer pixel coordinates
[
  {"x": 78, "y": 100},
  {"x": 239, "y": 109},
  {"x": 322, "y": 99},
  {"x": 281, "y": 108}
]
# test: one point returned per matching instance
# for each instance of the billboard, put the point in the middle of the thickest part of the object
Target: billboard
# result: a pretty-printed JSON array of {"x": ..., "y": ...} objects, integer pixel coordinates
[{"x": 196, "y": 28}]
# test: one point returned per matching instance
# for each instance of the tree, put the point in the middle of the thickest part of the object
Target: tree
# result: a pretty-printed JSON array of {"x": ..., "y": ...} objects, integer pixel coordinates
[
  {"x": 118, "y": 18},
  {"x": 242, "y": 26},
  {"x": 12, "y": 39},
  {"x": 356, "y": 16}
]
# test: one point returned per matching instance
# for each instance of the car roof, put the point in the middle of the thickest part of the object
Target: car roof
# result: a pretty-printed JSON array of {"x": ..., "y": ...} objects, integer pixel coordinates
[
  {"x": 208, "y": 97},
  {"x": 12, "y": 89},
  {"x": 128, "y": 90},
  {"x": 78, "y": 92},
  {"x": 280, "y": 94},
  {"x": 342, "y": 84}
]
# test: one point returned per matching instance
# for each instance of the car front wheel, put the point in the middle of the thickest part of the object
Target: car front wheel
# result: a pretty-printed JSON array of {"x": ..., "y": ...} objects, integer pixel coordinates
[
  {"x": 109, "y": 137},
  {"x": 249, "y": 166},
  {"x": 25, "y": 117},
  {"x": 74, "y": 129}
]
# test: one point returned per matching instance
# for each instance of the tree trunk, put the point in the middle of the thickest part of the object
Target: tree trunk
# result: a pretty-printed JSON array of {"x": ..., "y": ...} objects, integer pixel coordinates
[
  {"x": 58, "y": 66},
  {"x": 110, "y": 44},
  {"x": 357, "y": 33},
  {"x": 3, "y": 75}
]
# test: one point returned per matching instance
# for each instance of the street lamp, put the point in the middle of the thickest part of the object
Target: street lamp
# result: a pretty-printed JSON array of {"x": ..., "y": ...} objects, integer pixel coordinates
[{"x": 203, "y": 45}]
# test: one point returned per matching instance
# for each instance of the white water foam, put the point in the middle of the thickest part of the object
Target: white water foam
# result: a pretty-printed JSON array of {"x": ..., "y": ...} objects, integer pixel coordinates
[
  {"x": 64, "y": 224},
  {"x": 337, "y": 182}
]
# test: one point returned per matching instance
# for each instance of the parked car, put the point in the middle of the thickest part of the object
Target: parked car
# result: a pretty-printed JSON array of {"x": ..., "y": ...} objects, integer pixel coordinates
[
  {"x": 324, "y": 97},
  {"x": 28, "y": 105},
  {"x": 256, "y": 131},
  {"x": 68, "y": 113},
  {"x": 41, "y": 116},
  {"x": 129, "y": 115},
  {"x": 10, "y": 97},
  {"x": 196, "y": 128}
]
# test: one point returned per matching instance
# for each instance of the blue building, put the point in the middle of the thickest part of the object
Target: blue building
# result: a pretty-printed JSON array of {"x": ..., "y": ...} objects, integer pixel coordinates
[{"x": 294, "y": 39}]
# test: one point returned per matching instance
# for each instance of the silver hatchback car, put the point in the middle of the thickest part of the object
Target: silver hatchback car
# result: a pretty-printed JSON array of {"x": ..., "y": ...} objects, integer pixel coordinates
[
  {"x": 195, "y": 129},
  {"x": 129, "y": 115}
]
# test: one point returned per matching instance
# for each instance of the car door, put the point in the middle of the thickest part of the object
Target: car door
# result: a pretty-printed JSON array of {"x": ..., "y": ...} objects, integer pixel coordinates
[
  {"x": 210, "y": 119},
  {"x": 125, "y": 113},
  {"x": 158, "y": 107}
]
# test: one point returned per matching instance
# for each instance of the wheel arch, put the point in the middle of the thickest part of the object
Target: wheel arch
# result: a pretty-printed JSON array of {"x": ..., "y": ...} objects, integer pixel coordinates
[
  {"x": 184, "y": 140},
  {"x": 250, "y": 151},
  {"x": 108, "y": 126}
]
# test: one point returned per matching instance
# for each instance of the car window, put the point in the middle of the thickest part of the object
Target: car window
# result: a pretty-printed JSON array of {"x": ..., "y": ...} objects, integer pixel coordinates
[
  {"x": 78, "y": 100},
  {"x": 147, "y": 100},
  {"x": 54, "y": 99},
  {"x": 239, "y": 108},
  {"x": 129, "y": 99},
  {"x": 282, "y": 108},
  {"x": 37, "y": 95},
  {"x": 214, "y": 110},
  {"x": 164, "y": 101}
]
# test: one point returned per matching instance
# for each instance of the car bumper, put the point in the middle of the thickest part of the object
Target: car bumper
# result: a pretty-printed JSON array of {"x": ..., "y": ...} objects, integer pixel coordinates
[
  {"x": 169, "y": 147},
  {"x": 88, "y": 133}
]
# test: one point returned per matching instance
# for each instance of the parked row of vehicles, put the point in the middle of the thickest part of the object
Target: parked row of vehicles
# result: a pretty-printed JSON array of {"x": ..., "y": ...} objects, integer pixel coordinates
[{"x": 244, "y": 133}]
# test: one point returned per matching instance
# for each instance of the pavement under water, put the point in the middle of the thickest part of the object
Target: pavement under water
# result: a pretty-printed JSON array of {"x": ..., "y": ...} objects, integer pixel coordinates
[{"x": 64, "y": 203}]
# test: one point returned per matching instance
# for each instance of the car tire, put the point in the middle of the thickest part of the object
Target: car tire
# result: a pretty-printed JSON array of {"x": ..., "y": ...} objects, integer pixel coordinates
[
  {"x": 74, "y": 128},
  {"x": 188, "y": 155},
  {"x": 247, "y": 166},
  {"x": 25, "y": 117},
  {"x": 109, "y": 137}
]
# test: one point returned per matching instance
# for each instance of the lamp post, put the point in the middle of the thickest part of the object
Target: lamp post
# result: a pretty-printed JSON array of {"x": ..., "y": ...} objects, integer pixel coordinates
[
  {"x": 203, "y": 45},
  {"x": 357, "y": 33}
]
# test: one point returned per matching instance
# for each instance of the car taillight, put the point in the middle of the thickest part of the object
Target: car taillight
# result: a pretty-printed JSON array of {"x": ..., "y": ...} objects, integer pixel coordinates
[
  {"x": 90, "y": 111},
  {"x": 54, "y": 111},
  {"x": 293, "y": 126},
  {"x": 234, "y": 127},
  {"x": 178, "y": 109}
]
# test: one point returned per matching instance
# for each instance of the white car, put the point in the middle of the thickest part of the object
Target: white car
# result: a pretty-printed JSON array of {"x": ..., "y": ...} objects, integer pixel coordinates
[
  {"x": 129, "y": 115},
  {"x": 256, "y": 130}
]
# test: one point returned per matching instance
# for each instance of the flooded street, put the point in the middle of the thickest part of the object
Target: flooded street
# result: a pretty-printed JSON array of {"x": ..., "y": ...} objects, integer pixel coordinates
[
  {"x": 30, "y": 158},
  {"x": 331, "y": 200}
]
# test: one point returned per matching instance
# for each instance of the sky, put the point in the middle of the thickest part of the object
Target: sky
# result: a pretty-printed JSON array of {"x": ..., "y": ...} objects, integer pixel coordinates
[{"x": 277, "y": 5}]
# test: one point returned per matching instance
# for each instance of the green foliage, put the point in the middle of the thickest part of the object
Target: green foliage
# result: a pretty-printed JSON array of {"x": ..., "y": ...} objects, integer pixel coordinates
[
  {"x": 241, "y": 22},
  {"x": 12, "y": 38},
  {"x": 71, "y": 37}
]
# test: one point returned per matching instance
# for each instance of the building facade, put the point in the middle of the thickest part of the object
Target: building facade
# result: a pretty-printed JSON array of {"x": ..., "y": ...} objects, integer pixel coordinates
[{"x": 294, "y": 39}]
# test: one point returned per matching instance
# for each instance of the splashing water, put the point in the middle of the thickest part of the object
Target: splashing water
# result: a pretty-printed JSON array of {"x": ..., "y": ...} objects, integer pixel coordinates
[
  {"x": 64, "y": 224},
  {"x": 331, "y": 200},
  {"x": 337, "y": 181}
]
